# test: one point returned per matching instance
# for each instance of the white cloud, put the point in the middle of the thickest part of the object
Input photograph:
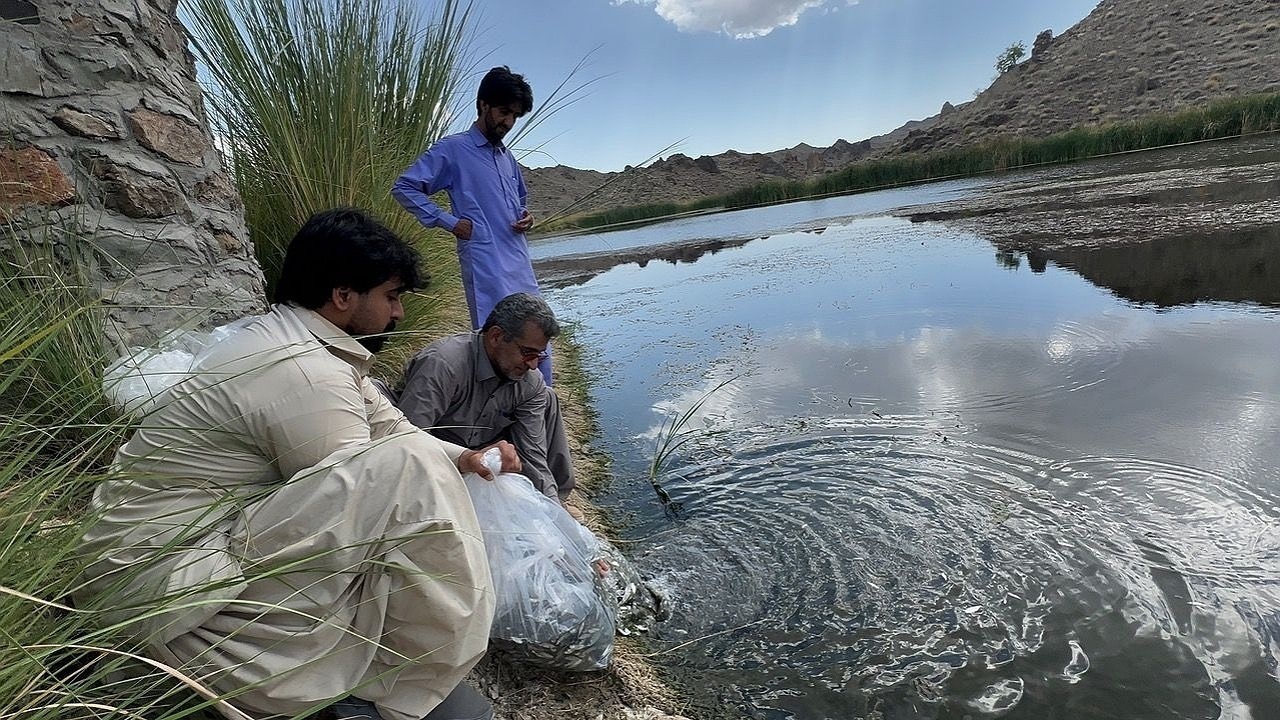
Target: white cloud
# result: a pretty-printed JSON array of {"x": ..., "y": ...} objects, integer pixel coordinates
[{"x": 735, "y": 18}]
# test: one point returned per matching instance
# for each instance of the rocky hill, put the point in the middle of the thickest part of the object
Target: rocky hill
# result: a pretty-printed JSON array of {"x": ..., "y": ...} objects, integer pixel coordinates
[
  {"x": 679, "y": 178},
  {"x": 1127, "y": 59}
]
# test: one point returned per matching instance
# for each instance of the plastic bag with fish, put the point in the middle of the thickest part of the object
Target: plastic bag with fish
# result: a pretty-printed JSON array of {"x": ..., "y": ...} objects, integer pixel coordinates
[{"x": 552, "y": 609}]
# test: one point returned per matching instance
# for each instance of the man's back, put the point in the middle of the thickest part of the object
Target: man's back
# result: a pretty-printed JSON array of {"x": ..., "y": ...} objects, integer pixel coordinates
[{"x": 268, "y": 401}]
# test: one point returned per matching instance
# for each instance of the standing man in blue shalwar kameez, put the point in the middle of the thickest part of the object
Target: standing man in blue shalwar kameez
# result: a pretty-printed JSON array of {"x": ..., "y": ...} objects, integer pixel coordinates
[{"x": 487, "y": 197}]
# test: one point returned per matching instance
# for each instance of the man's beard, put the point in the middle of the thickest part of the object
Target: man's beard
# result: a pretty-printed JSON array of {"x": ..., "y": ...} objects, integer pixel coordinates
[
  {"x": 492, "y": 134},
  {"x": 374, "y": 343}
]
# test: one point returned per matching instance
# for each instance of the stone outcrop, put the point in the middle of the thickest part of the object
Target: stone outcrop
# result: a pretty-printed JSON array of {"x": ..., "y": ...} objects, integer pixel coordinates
[
  {"x": 40, "y": 180},
  {"x": 1127, "y": 59},
  {"x": 106, "y": 148},
  {"x": 1041, "y": 45}
]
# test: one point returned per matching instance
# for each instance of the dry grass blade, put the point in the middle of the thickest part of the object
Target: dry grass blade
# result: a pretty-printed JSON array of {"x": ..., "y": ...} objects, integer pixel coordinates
[
  {"x": 561, "y": 97},
  {"x": 38, "y": 601},
  {"x": 567, "y": 209}
]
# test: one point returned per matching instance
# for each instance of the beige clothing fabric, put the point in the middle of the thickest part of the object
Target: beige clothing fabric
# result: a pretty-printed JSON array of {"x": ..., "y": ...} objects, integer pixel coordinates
[{"x": 307, "y": 538}]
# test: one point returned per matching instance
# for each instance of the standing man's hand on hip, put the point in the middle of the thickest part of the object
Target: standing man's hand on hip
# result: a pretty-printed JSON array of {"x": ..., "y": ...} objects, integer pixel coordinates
[
  {"x": 462, "y": 230},
  {"x": 524, "y": 224}
]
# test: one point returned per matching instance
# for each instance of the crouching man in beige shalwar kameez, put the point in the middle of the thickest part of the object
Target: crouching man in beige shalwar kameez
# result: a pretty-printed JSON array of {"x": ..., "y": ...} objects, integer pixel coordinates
[{"x": 280, "y": 531}]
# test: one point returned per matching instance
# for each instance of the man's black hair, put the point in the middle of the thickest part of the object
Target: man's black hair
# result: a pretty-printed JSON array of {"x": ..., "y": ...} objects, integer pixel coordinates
[
  {"x": 344, "y": 247},
  {"x": 500, "y": 86}
]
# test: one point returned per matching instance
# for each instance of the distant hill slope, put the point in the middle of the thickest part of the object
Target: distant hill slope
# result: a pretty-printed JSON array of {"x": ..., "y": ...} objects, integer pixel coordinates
[
  {"x": 679, "y": 178},
  {"x": 1127, "y": 59}
]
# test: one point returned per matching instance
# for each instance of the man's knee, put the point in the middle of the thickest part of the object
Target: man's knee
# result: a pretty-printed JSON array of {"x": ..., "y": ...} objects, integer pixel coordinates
[{"x": 403, "y": 477}]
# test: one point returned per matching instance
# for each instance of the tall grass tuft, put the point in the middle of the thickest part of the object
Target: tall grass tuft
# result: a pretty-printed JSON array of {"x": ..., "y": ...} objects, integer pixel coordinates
[
  {"x": 323, "y": 104},
  {"x": 55, "y": 432},
  {"x": 51, "y": 353}
]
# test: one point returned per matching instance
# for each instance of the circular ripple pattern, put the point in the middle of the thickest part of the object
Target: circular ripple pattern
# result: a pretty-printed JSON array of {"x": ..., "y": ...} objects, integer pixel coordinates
[{"x": 884, "y": 568}]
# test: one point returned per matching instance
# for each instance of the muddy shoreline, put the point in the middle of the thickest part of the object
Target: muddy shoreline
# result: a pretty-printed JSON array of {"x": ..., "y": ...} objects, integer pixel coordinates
[
  {"x": 1166, "y": 235},
  {"x": 576, "y": 269}
]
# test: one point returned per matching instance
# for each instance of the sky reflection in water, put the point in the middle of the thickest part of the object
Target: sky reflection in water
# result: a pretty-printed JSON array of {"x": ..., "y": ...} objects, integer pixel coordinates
[{"x": 940, "y": 485}]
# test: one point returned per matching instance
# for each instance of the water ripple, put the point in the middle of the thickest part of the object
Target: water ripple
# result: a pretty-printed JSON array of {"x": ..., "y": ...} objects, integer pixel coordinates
[{"x": 942, "y": 569}]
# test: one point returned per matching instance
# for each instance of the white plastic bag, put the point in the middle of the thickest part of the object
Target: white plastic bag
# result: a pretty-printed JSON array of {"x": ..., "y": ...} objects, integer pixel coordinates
[
  {"x": 551, "y": 609},
  {"x": 133, "y": 383}
]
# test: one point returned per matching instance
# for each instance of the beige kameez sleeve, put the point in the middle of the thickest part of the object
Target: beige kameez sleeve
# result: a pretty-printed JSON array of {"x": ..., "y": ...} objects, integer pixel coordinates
[{"x": 386, "y": 419}]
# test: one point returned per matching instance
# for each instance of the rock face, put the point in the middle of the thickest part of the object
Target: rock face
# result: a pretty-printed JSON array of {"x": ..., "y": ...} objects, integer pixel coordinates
[
  {"x": 1127, "y": 59},
  {"x": 106, "y": 148}
]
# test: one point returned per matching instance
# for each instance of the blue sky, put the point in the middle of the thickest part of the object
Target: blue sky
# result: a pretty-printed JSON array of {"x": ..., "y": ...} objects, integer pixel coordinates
[{"x": 748, "y": 75}]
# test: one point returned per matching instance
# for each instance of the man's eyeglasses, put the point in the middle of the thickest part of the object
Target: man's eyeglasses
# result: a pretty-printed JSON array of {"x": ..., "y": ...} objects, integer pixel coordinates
[{"x": 529, "y": 353}]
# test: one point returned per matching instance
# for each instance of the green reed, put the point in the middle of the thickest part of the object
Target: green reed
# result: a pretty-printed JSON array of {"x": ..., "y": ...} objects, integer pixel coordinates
[
  {"x": 674, "y": 434},
  {"x": 56, "y": 430},
  {"x": 1227, "y": 118},
  {"x": 321, "y": 105},
  {"x": 619, "y": 216}
]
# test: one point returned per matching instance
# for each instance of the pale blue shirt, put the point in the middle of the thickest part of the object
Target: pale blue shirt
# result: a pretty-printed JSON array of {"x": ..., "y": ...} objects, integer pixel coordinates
[{"x": 484, "y": 185}]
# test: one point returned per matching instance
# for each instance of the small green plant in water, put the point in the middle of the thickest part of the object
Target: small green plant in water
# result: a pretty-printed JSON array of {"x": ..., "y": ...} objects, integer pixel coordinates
[{"x": 674, "y": 434}]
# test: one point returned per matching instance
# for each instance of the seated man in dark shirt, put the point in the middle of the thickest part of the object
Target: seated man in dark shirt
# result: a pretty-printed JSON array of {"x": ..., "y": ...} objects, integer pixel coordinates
[{"x": 475, "y": 388}]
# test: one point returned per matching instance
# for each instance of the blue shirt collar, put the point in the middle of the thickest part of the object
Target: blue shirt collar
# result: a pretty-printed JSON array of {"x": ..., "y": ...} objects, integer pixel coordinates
[{"x": 480, "y": 140}]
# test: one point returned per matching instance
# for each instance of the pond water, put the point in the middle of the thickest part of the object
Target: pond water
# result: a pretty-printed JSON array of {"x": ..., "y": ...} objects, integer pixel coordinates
[{"x": 936, "y": 475}]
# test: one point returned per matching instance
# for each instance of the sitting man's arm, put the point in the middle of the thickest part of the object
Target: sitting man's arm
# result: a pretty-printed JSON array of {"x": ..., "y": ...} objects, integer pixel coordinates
[
  {"x": 428, "y": 389},
  {"x": 304, "y": 427},
  {"x": 530, "y": 436},
  {"x": 385, "y": 418}
]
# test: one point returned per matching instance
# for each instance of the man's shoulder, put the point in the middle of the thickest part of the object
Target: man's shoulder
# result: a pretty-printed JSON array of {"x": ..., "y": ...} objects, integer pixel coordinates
[
  {"x": 274, "y": 343},
  {"x": 450, "y": 353},
  {"x": 450, "y": 143},
  {"x": 532, "y": 384},
  {"x": 457, "y": 343}
]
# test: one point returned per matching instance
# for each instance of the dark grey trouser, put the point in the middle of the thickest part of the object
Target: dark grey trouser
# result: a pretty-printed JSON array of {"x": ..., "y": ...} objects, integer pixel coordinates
[
  {"x": 464, "y": 703},
  {"x": 558, "y": 459},
  {"x": 559, "y": 462}
]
